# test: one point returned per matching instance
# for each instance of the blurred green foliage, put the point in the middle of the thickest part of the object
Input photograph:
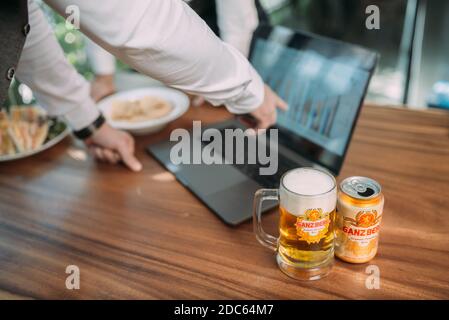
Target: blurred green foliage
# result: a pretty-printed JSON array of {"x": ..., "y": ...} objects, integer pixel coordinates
[{"x": 72, "y": 42}]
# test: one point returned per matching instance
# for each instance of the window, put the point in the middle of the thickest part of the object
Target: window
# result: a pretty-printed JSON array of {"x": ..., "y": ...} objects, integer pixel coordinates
[{"x": 413, "y": 40}]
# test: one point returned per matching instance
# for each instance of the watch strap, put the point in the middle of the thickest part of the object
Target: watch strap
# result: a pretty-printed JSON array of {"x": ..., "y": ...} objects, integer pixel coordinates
[{"x": 88, "y": 131}]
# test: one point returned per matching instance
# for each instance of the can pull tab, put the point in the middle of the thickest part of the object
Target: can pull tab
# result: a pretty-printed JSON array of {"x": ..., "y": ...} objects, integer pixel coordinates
[
  {"x": 367, "y": 193},
  {"x": 362, "y": 190}
]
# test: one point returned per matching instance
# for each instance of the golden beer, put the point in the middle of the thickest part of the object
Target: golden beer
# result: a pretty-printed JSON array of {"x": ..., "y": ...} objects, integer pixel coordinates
[
  {"x": 307, "y": 241},
  {"x": 307, "y": 200}
]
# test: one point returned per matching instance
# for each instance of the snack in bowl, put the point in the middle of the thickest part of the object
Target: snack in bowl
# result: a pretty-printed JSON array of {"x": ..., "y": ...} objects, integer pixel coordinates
[
  {"x": 144, "y": 109},
  {"x": 6, "y": 143},
  {"x": 28, "y": 127},
  {"x": 24, "y": 129}
]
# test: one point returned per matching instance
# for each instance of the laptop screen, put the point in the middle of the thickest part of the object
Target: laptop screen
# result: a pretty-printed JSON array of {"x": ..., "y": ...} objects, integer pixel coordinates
[{"x": 323, "y": 81}]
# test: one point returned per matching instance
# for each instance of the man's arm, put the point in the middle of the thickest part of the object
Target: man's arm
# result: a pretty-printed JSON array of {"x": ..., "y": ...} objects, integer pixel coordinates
[
  {"x": 193, "y": 60},
  {"x": 55, "y": 83},
  {"x": 237, "y": 20},
  {"x": 62, "y": 91},
  {"x": 166, "y": 40}
]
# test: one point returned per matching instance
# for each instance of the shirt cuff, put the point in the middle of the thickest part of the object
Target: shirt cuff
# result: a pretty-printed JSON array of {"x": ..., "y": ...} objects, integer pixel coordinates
[
  {"x": 251, "y": 98},
  {"x": 83, "y": 116}
]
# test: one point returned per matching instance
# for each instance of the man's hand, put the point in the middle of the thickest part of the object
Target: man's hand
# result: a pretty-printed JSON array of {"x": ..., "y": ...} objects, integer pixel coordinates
[
  {"x": 197, "y": 101},
  {"x": 111, "y": 145},
  {"x": 266, "y": 113},
  {"x": 102, "y": 86}
]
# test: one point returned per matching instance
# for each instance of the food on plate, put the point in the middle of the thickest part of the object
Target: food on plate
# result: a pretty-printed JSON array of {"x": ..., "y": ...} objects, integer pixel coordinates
[
  {"x": 6, "y": 143},
  {"x": 146, "y": 108},
  {"x": 24, "y": 129}
]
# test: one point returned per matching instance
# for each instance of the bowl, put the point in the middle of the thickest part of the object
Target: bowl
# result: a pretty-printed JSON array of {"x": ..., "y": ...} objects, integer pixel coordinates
[{"x": 177, "y": 99}]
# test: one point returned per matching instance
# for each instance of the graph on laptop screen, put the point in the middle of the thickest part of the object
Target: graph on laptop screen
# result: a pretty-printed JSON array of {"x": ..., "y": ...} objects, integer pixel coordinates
[{"x": 323, "y": 92}]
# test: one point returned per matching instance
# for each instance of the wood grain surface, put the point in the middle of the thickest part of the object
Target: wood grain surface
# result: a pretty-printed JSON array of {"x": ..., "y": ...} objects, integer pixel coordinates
[{"x": 144, "y": 236}]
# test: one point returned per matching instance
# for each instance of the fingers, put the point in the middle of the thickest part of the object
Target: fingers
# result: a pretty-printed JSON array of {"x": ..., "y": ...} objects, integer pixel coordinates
[
  {"x": 126, "y": 152},
  {"x": 111, "y": 156},
  {"x": 96, "y": 152},
  {"x": 113, "y": 146},
  {"x": 105, "y": 155},
  {"x": 266, "y": 121},
  {"x": 121, "y": 150},
  {"x": 265, "y": 118},
  {"x": 281, "y": 104},
  {"x": 198, "y": 101},
  {"x": 266, "y": 115}
]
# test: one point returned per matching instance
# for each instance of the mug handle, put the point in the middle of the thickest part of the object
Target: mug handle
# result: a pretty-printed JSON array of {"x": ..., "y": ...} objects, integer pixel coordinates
[{"x": 264, "y": 238}]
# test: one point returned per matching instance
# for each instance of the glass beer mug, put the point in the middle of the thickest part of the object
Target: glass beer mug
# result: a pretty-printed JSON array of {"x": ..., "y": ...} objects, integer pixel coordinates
[{"x": 307, "y": 200}]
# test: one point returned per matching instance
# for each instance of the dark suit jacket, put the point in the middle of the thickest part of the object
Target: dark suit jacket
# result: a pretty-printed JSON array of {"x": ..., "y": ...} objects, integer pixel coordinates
[
  {"x": 206, "y": 9},
  {"x": 13, "y": 30}
]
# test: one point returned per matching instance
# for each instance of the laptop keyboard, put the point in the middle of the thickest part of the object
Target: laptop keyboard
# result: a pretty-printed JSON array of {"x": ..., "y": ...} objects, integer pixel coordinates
[
  {"x": 253, "y": 170},
  {"x": 267, "y": 181}
]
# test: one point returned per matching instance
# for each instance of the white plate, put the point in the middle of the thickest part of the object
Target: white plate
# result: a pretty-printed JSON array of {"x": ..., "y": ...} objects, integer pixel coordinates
[
  {"x": 178, "y": 100},
  {"x": 43, "y": 147}
]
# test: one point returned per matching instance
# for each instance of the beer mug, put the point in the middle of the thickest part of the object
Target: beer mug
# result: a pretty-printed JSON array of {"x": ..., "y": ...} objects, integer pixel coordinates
[{"x": 307, "y": 201}]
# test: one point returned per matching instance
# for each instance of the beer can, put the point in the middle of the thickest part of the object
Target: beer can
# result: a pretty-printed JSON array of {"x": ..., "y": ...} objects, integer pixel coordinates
[{"x": 359, "y": 213}]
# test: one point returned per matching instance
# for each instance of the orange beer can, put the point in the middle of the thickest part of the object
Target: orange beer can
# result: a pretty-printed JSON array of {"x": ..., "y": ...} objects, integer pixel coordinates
[{"x": 359, "y": 213}]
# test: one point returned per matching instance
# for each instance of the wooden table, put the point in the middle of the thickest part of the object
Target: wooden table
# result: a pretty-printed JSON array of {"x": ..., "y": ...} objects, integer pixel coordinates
[{"x": 145, "y": 236}]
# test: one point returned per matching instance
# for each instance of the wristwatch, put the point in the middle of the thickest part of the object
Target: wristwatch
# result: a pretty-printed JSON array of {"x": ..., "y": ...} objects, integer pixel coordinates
[{"x": 88, "y": 131}]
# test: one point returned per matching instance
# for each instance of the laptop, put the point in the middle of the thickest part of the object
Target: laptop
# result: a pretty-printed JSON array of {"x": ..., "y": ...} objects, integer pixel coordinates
[{"x": 324, "y": 82}]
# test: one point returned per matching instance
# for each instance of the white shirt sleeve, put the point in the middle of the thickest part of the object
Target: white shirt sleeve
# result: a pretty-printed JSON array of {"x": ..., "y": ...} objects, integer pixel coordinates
[
  {"x": 237, "y": 20},
  {"x": 101, "y": 61},
  {"x": 55, "y": 83},
  {"x": 165, "y": 39}
]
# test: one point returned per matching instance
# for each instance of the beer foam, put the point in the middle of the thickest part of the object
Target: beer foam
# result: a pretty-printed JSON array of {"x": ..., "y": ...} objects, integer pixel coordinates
[
  {"x": 308, "y": 182},
  {"x": 307, "y": 188}
]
